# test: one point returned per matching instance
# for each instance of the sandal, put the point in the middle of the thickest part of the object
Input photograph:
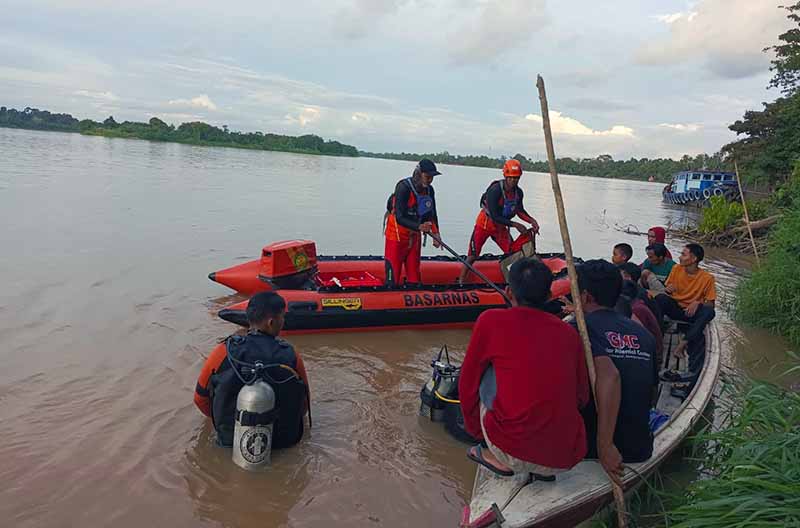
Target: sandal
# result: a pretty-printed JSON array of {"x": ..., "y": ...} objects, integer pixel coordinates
[
  {"x": 681, "y": 394},
  {"x": 671, "y": 375},
  {"x": 475, "y": 453}
]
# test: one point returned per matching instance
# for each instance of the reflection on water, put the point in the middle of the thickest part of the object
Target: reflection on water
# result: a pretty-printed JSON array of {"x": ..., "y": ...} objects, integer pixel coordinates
[{"x": 106, "y": 316}]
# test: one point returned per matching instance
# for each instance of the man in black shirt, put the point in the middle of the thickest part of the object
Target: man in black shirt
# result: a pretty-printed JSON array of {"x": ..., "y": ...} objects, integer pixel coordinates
[
  {"x": 618, "y": 427},
  {"x": 501, "y": 202},
  {"x": 412, "y": 213}
]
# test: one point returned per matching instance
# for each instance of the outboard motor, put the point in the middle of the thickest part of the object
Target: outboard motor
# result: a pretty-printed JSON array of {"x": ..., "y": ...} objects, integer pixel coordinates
[
  {"x": 440, "y": 400},
  {"x": 252, "y": 434},
  {"x": 441, "y": 389},
  {"x": 289, "y": 264}
]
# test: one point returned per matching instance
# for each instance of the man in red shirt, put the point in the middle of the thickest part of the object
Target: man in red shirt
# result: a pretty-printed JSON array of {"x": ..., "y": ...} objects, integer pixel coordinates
[{"x": 522, "y": 382}]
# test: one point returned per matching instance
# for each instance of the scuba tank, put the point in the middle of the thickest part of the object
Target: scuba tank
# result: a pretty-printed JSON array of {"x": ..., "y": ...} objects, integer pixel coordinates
[
  {"x": 439, "y": 397},
  {"x": 255, "y": 415}
]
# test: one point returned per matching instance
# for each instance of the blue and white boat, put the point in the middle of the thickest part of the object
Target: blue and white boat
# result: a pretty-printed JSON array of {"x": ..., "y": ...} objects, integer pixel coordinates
[{"x": 696, "y": 187}]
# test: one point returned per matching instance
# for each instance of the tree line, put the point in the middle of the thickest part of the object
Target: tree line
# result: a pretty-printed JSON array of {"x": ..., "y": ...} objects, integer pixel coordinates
[
  {"x": 194, "y": 133},
  {"x": 604, "y": 166}
]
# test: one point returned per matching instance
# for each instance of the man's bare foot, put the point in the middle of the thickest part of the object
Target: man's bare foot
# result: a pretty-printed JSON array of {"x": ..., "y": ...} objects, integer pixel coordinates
[
  {"x": 680, "y": 350},
  {"x": 490, "y": 458}
]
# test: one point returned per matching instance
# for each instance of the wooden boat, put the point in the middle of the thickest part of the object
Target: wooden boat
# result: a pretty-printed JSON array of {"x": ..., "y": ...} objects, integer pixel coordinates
[{"x": 578, "y": 494}]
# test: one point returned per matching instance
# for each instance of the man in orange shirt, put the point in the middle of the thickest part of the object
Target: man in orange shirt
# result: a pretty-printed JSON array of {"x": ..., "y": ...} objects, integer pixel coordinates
[
  {"x": 219, "y": 384},
  {"x": 412, "y": 213},
  {"x": 501, "y": 202},
  {"x": 690, "y": 297}
]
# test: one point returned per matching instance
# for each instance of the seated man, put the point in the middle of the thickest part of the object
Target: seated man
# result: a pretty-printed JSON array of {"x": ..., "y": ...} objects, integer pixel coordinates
[
  {"x": 656, "y": 268},
  {"x": 218, "y": 385},
  {"x": 642, "y": 314},
  {"x": 523, "y": 381},
  {"x": 632, "y": 272},
  {"x": 622, "y": 253},
  {"x": 618, "y": 427},
  {"x": 658, "y": 235},
  {"x": 690, "y": 297}
]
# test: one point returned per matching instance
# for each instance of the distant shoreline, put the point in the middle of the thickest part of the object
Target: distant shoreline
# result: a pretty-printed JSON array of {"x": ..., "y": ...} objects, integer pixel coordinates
[
  {"x": 204, "y": 135},
  {"x": 193, "y": 133}
]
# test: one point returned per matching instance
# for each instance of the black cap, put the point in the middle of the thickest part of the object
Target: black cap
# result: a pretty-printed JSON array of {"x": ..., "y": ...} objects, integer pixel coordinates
[{"x": 428, "y": 167}]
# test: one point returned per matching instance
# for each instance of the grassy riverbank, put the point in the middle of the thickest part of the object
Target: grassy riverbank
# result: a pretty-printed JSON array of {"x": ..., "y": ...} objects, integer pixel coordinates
[
  {"x": 770, "y": 297},
  {"x": 751, "y": 465}
]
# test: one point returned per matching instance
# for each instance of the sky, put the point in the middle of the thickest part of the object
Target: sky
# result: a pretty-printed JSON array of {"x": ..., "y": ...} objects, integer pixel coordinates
[{"x": 629, "y": 78}]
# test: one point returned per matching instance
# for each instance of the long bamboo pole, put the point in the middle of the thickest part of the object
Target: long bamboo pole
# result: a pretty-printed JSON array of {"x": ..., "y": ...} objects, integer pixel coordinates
[
  {"x": 746, "y": 216},
  {"x": 619, "y": 497}
]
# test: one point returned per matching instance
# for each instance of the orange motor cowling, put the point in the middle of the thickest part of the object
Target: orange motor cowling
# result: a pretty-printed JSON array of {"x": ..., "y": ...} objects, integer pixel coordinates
[{"x": 288, "y": 264}]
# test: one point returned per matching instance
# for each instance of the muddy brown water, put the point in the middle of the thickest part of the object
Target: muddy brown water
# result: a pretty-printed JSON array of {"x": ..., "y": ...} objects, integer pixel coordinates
[{"x": 106, "y": 316}]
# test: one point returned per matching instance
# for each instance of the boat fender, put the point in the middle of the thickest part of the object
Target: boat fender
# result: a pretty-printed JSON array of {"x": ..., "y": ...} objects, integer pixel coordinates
[
  {"x": 718, "y": 192},
  {"x": 252, "y": 433},
  {"x": 706, "y": 193}
]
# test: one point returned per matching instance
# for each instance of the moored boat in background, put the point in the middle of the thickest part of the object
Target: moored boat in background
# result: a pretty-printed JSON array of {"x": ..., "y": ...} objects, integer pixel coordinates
[{"x": 697, "y": 187}]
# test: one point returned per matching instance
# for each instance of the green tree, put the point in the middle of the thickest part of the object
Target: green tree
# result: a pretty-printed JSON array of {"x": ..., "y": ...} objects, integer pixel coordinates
[{"x": 771, "y": 141}]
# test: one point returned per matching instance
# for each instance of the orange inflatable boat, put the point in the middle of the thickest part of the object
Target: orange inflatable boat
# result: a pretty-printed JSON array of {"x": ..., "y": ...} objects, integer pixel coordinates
[
  {"x": 346, "y": 293},
  {"x": 289, "y": 264}
]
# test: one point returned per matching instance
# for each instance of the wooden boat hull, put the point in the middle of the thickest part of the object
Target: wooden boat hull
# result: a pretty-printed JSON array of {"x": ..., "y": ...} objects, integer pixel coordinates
[{"x": 581, "y": 492}]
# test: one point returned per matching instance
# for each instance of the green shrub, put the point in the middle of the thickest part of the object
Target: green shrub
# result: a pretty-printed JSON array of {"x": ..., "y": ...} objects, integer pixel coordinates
[
  {"x": 719, "y": 215},
  {"x": 760, "y": 209},
  {"x": 770, "y": 297},
  {"x": 754, "y": 461}
]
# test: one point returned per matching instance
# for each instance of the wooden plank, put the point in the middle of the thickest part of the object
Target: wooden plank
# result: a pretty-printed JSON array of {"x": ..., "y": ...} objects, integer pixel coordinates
[{"x": 579, "y": 493}]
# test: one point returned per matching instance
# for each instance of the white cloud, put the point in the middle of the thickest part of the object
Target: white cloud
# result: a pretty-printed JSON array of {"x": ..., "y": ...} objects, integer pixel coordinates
[
  {"x": 100, "y": 96},
  {"x": 727, "y": 35},
  {"x": 201, "y": 101},
  {"x": 358, "y": 17},
  {"x": 562, "y": 124},
  {"x": 688, "y": 127},
  {"x": 359, "y": 117},
  {"x": 305, "y": 116},
  {"x": 496, "y": 27},
  {"x": 669, "y": 19}
]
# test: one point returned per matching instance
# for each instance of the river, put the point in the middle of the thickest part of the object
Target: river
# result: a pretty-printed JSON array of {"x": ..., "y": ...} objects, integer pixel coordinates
[{"x": 106, "y": 316}]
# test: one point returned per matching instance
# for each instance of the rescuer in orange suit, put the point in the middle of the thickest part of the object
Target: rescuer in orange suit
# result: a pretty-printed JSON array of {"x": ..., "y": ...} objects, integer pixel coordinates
[
  {"x": 501, "y": 202},
  {"x": 412, "y": 213}
]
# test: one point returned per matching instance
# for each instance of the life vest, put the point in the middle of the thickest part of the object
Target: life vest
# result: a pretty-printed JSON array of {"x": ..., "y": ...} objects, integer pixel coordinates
[
  {"x": 279, "y": 361},
  {"x": 510, "y": 205},
  {"x": 423, "y": 202}
]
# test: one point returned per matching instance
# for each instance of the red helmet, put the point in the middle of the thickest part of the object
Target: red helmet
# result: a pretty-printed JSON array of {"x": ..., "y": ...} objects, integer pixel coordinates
[{"x": 512, "y": 169}]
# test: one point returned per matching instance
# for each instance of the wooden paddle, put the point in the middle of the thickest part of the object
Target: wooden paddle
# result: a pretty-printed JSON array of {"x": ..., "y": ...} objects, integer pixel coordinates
[
  {"x": 619, "y": 497},
  {"x": 470, "y": 267}
]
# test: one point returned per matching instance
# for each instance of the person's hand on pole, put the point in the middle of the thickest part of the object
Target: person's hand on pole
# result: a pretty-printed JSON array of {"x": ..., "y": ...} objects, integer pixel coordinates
[{"x": 611, "y": 461}]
